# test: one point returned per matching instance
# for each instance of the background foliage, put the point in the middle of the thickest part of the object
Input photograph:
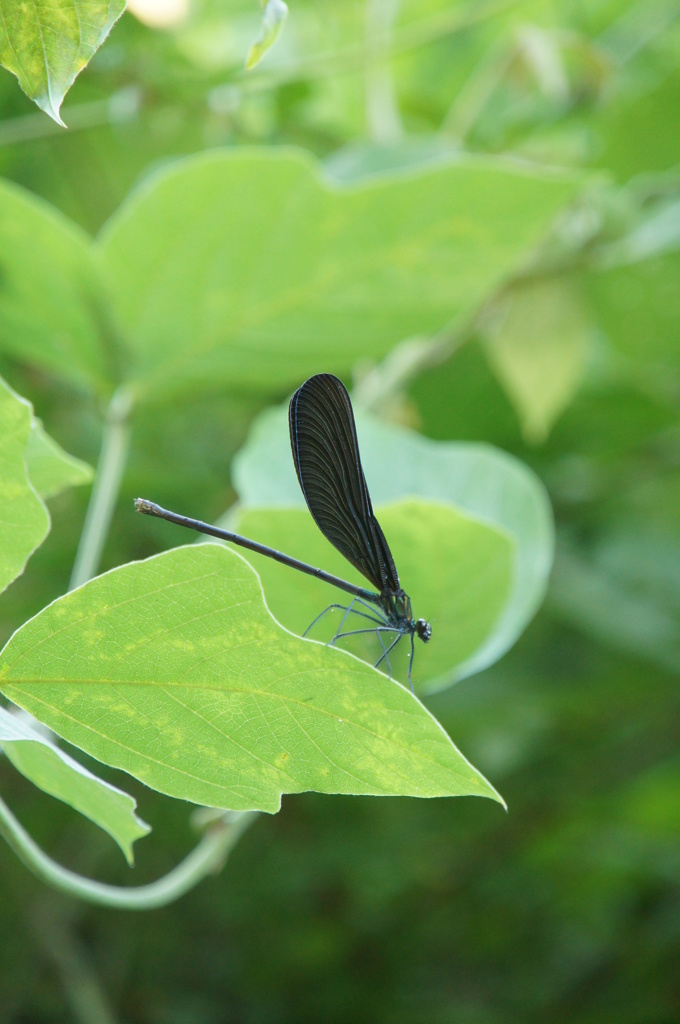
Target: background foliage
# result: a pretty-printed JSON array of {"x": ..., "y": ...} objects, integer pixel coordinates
[{"x": 565, "y": 355}]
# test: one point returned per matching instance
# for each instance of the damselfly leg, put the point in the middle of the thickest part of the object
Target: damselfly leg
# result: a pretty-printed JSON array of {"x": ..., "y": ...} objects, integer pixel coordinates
[
  {"x": 378, "y": 630},
  {"x": 382, "y": 625},
  {"x": 346, "y": 609}
]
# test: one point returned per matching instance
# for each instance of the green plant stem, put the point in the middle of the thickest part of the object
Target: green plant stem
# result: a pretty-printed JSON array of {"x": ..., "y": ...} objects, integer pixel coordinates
[
  {"x": 209, "y": 856},
  {"x": 382, "y": 110},
  {"x": 407, "y": 360},
  {"x": 470, "y": 101},
  {"x": 64, "y": 952},
  {"x": 110, "y": 469}
]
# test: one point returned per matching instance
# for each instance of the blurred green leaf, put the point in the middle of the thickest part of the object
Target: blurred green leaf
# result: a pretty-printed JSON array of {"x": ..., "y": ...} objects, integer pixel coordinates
[
  {"x": 651, "y": 801},
  {"x": 486, "y": 483},
  {"x": 273, "y": 19},
  {"x": 457, "y": 570},
  {"x": 49, "y": 467},
  {"x": 176, "y": 672},
  {"x": 537, "y": 344},
  {"x": 638, "y": 130},
  {"x": 603, "y": 599},
  {"x": 638, "y": 306},
  {"x": 47, "y": 44},
  {"x": 249, "y": 269},
  {"x": 54, "y": 772},
  {"x": 51, "y": 297},
  {"x": 24, "y": 521}
]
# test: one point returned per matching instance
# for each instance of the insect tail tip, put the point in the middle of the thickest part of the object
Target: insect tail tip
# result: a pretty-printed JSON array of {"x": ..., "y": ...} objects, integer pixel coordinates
[{"x": 147, "y": 508}]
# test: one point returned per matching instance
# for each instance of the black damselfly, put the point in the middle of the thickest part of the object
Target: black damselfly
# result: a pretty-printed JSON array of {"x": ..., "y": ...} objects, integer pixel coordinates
[{"x": 323, "y": 438}]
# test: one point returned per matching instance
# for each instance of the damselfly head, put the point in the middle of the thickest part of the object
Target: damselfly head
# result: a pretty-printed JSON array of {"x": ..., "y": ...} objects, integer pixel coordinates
[{"x": 424, "y": 630}]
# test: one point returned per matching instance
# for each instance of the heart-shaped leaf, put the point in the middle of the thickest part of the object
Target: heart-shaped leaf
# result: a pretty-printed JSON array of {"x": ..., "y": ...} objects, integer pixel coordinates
[
  {"x": 456, "y": 569},
  {"x": 484, "y": 482},
  {"x": 174, "y": 670}
]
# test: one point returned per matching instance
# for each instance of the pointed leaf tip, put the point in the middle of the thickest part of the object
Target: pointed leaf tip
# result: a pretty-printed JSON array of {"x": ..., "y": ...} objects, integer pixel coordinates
[
  {"x": 273, "y": 20},
  {"x": 47, "y": 43}
]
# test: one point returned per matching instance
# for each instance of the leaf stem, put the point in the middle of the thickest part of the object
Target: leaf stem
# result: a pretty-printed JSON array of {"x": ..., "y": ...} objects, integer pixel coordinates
[
  {"x": 64, "y": 952},
  {"x": 208, "y": 857},
  {"x": 110, "y": 469},
  {"x": 382, "y": 110},
  {"x": 379, "y": 385}
]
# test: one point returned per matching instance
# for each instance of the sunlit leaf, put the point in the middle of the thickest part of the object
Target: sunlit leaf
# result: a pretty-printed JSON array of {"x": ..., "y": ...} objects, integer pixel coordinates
[
  {"x": 53, "y": 771},
  {"x": 174, "y": 670},
  {"x": 47, "y": 44},
  {"x": 249, "y": 268},
  {"x": 456, "y": 569},
  {"x": 24, "y": 521},
  {"x": 476, "y": 478}
]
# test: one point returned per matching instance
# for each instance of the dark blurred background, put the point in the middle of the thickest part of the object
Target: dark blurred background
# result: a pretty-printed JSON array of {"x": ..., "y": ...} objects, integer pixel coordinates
[{"x": 421, "y": 912}]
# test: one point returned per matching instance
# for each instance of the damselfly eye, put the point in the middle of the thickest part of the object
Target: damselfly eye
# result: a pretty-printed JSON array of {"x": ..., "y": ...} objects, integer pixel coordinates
[{"x": 424, "y": 630}]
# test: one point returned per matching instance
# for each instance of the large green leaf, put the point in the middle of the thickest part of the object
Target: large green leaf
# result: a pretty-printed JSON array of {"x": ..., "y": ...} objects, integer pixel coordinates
[
  {"x": 484, "y": 482},
  {"x": 24, "y": 521},
  {"x": 49, "y": 467},
  {"x": 249, "y": 268},
  {"x": 174, "y": 670},
  {"x": 47, "y": 44},
  {"x": 51, "y": 297},
  {"x": 53, "y": 771}
]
